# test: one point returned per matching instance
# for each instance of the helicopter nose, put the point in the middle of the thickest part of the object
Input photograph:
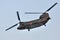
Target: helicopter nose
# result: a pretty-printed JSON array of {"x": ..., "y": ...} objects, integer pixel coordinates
[{"x": 18, "y": 28}]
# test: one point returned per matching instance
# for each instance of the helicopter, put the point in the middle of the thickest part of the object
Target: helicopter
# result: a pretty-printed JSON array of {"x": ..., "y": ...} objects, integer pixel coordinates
[{"x": 42, "y": 20}]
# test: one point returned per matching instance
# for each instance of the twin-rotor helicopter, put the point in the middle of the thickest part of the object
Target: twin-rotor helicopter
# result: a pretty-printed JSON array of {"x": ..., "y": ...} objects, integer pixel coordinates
[{"x": 42, "y": 20}]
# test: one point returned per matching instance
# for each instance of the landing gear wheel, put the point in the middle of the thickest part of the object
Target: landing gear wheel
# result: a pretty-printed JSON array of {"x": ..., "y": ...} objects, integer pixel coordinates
[{"x": 29, "y": 28}]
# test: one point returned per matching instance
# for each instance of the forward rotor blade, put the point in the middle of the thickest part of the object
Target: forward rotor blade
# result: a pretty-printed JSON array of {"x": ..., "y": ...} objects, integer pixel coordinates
[
  {"x": 51, "y": 7},
  {"x": 18, "y": 15},
  {"x": 11, "y": 27}
]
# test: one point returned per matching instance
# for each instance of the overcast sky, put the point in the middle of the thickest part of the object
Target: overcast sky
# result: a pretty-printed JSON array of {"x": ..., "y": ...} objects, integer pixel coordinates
[{"x": 8, "y": 18}]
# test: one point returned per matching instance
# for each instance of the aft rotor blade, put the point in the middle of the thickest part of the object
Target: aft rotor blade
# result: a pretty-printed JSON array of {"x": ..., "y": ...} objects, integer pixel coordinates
[
  {"x": 33, "y": 12},
  {"x": 11, "y": 27},
  {"x": 51, "y": 7},
  {"x": 18, "y": 15}
]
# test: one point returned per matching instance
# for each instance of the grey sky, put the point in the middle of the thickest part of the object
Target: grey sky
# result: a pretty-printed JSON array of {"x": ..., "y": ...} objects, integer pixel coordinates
[{"x": 8, "y": 18}]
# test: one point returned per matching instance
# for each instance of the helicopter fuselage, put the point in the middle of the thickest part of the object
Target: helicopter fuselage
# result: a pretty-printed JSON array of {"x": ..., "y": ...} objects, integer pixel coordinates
[{"x": 43, "y": 19}]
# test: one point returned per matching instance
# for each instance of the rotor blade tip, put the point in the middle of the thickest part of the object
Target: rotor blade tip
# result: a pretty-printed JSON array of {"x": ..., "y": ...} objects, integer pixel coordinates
[
  {"x": 16, "y": 11},
  {"x": 6, "y": 30},
  {"x": 56, "y": 3}
]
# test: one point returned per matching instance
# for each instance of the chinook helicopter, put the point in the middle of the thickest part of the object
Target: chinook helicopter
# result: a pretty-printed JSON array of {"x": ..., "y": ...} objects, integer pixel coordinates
[{"x": 42, "y": 20}]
